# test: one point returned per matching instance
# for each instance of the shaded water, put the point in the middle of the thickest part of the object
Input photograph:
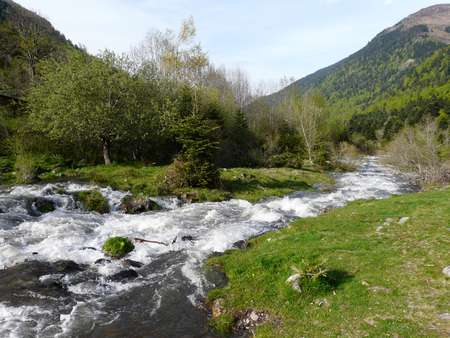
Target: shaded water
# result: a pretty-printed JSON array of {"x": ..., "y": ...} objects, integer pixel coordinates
[{"x": 157, "y": 291}]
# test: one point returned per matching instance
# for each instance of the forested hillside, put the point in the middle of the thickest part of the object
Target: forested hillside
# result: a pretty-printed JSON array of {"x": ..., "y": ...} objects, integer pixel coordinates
[
  {"x": 382, "y": 68},
  {"x": 25, "y": 39}
]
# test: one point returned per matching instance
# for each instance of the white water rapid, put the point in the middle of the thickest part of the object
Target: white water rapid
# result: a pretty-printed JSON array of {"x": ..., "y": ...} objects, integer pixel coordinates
[{"x": 38, "y": 299}]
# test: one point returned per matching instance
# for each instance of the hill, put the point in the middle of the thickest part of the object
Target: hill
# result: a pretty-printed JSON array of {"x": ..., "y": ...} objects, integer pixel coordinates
[
  {"x": 25, "y": 39},
  {"x": 379, "y": 70}
]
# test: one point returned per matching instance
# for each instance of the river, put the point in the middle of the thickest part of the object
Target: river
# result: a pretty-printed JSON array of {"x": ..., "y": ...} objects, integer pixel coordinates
[{"x": 157, "y": 292}]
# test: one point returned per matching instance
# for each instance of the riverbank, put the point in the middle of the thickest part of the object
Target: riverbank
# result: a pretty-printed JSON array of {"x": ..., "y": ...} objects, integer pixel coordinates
[
  {"x": 251, "y": 184},
  {"x": 384, "y": 260}
]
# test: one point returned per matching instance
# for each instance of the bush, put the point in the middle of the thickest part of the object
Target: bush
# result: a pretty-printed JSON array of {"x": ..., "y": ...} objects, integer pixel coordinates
[
  {"x": 92, "y": 201},
  {"x": 117, "y": 247},
  {"x": 29, "y": 166},
  {"x": 289, "y": 160},
  {"x": 363, "y": 144},
  {"x": 26, "y": 169},
  {"x": 192, "y": 173},
  {"x": 418, "y": 150},
  {"x": 6, "y": 165}
]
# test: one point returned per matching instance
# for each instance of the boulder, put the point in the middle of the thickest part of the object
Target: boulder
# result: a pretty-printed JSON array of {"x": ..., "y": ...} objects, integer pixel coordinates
[
  {"x": 44, "y": 278},
  {"x": 39, "y": 205},
  {"x": 446, "y": 271},
  {"x": 117, "y": 247},
  {"x": 241, "y": 245},
  {"x": 294, "y": 282},
  {"x": 137, "y": 205},
  {"x": 92, "y": 200}
]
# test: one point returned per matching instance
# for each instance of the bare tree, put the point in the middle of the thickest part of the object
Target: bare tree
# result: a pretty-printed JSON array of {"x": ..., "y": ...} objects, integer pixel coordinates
[
  {"x": 416, "y": 150},
  {"x": 306, "y": 114},
  {"x": 241, "y": 88}
]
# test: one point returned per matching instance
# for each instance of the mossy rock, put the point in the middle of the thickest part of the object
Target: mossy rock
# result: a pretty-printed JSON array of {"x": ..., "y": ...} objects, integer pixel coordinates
[
  {"x": 92, "y": 200},
  {"x": 138, "y": 204},
  {"x": 44, "y": 206},
  {"x": 117, "y": 247}
]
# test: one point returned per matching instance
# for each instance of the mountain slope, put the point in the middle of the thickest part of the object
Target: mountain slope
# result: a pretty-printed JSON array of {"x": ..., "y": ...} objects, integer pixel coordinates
[
  {"x": 380, "y": 68},
  {"x": 25, "y": 39}
]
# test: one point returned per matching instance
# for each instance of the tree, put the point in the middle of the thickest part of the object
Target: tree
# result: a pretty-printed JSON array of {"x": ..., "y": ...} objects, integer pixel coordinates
[
  {"x": 86, "y": 99},
  {"x": 307, "y": 115},
  {"x": 197, "y": 131},
  {"x": 417, "y": 150}
]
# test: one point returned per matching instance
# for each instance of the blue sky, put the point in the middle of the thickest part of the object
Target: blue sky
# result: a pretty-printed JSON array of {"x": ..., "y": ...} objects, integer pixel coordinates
[{"x": 269, "y": 39}]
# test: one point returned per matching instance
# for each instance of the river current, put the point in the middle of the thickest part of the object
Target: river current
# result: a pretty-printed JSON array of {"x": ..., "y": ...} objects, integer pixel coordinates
[{"x": 56, "y": 282}]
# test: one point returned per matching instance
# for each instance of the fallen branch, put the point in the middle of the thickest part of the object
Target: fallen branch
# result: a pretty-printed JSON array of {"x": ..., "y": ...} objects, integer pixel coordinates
[{"x": 140, "y": 240}]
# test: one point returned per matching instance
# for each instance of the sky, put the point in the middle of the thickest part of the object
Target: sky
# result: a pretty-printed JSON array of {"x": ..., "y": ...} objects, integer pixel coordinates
[{"x": 268, "y": 39}]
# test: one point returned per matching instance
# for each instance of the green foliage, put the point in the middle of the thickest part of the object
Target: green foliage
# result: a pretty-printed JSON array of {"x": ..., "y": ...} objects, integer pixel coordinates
[
  {"x": 25, "y": 39},
  {"x": 363, "y": 144},
  {"x": 26, "y": 168},
  {"x": 92, "y": 201},
  {"x": 223, "y": 324},
  {"x": 238, "y": 144},
  {"x": 84, "y": 100},
  {"x": 117, "y": 247},
  {"x": 195, "y": 126},
  {"x": 288, "y": 160},
  {"x": 6, "y": 165}
]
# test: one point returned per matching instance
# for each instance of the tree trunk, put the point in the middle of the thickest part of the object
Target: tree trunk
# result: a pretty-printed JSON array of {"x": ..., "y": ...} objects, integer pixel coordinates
[{"x": 106, "y": 152}]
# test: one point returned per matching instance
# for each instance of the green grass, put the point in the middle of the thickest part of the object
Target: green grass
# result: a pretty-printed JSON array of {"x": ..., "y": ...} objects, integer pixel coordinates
[
  {"x": 385, "y": 283},
  {"x": 243, "y": 183},
  {"x": 256, "y": 184}
]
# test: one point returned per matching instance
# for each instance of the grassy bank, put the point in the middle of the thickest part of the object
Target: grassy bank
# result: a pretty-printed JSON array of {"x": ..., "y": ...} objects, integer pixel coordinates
[
  {"x": 243, "y": 183},
  {"x": 384, "y": 278}
]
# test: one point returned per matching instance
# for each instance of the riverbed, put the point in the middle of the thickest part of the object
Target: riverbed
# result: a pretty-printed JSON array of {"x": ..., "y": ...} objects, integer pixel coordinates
[{"x": 56, "y": 282}]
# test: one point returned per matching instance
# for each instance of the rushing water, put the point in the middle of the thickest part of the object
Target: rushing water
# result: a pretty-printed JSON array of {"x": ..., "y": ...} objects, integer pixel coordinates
[{"x": 40, "y": 296}]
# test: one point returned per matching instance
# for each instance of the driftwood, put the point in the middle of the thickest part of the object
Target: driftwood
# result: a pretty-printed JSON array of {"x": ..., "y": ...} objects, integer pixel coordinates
[{"x": 141, "y": 240}]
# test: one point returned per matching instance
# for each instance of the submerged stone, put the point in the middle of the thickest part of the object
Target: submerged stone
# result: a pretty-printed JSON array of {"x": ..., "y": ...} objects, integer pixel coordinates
[
  {"x": 124, "y": 275},
  {"x": 134, "y": 264},
  {"x": 43, "y": 278}
]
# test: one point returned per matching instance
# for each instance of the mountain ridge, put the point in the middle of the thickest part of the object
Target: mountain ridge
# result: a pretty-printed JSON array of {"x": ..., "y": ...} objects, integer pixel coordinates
[{"x": 382, "y": 64}]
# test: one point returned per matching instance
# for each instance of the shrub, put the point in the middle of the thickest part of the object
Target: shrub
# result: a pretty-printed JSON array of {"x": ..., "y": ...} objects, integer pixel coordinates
[
  {"x": 289, "y": 160},
  {"x": 26, "y": 169},
  {"x": 309, "y": 277},
  {"x": 117, "y": 247},
  {"x": 92, "y": 201},
  {"x": 418, "y": 150},
  {"x": 6, "y": 165},
  {"x": 192, "y": 173}
]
